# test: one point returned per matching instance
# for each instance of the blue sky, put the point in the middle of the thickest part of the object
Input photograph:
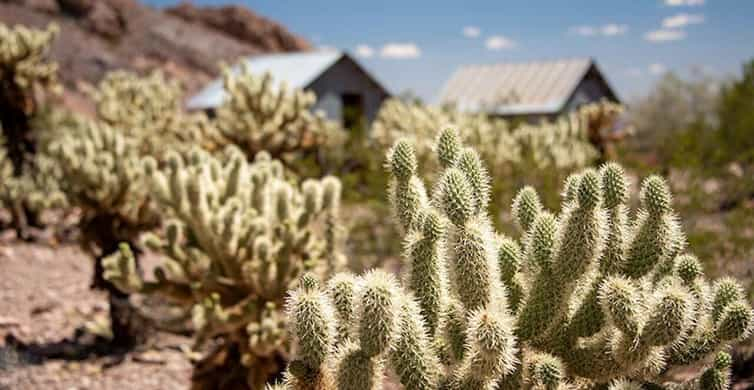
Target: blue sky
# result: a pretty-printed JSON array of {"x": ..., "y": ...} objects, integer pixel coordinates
[{"x": 416, "y": 44}]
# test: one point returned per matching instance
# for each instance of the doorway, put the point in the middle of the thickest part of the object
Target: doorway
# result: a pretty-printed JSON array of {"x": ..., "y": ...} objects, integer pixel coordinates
[{"x": 353, "y": 111}]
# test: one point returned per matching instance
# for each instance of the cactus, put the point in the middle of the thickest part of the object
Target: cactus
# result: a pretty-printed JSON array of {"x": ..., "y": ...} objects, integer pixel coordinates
[
  {"x": 150, "y": 108},
  {"x": 582, "y": 300},
  {"x": 101, "y": 161},
  {"x": 136, "y": 117},
  {"x": 36, "y": 190},
  {"x": 10, "y": 185},
  {"x": 540, "y": 153},
  {"x": 238, "y": 235},
  {"x": 24, "y": 69},
  {"x": 101, "y": 170},
  {"x": 39, "y": 187},
  {"x": 563, "y": 143},
  {"x": 259, "y": 114},
  {"x": 26, "y": 74}
]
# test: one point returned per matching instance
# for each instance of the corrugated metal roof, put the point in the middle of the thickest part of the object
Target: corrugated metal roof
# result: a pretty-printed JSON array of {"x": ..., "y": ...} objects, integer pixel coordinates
[
  {"x": 298, "y": 70},
  {"x": 515, "y": 88}
]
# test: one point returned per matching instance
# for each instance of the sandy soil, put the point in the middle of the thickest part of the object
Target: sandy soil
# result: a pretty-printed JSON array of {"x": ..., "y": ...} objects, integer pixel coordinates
[{"x": 44, "y": 298}]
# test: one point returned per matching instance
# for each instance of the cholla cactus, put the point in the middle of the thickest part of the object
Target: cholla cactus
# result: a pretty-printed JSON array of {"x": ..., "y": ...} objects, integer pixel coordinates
[
  {"x": 23, "y": 53},
  {"x": 24, "y": 68},
  {"x": 38, "y": 189},
  {"x": 9, "y": 184},
  {"x": 237, "y": 236},
  {"x": 101, "y": 159},
  {"x": 25, "y": 72},
  {"x": 583, "y": 300},
  {"x": 562, "y": 143},
  {"x": 529, "y": 154},
  {"x": 35, "y": 190},
  {"x": 260, "y": 114},
  {"x": 103, "y": 172},
  {"x": 150, "y": 108},
  {"x": 419, "y": 124},
  {"x": 103, "y": 177}
]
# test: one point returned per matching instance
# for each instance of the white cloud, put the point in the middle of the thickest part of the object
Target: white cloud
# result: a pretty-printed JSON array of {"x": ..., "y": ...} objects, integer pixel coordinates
[
  {"x": 657, "y": 69},
  {"x": 613, "y": 29},
  {"x": 679, "y": 3},
  {"x": 398, "y": 50},
  {"x": 364, "y": 51},
  {"x": 326, "y": 48},
  {"x": 664, "y": 35},
  {"x": 471, "y": 31},
  {"x": 682, "y": 20},
  {"x": 499, "y": 42},
  {"x": 607, "y": 30},
  {"x": 585, "y": 31}
]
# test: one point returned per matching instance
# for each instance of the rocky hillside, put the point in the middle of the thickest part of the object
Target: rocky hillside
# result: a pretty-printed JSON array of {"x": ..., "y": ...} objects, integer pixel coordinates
[{"x": 186, "y": 41}]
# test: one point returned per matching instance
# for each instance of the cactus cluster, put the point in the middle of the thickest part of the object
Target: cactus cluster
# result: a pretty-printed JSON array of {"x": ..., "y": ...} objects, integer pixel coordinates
[
  {"x": 261, "y": 114},
  {"x": 528, "y": 153},
  {"x": 8, "y": 183},
  {"x": 136, "y": 117},
  {"x": 563, "y": 143},
  {"x": 23, "y": 55},
  {"x": 236, "y": 236},
  {"x": 28, "y": 179},
  {"x": 38, "y": 189},
  {"x": 104, "y": 179},
  {"x": 585, "y": 299},
  {"x": 150, "y": 108},
  {"x": 103, "y": 175}
]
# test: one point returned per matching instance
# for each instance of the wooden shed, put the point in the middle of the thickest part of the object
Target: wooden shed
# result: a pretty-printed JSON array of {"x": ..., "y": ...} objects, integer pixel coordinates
[
  {"x": 529, "y": 90},
  {"x": 346, "y": 92}
]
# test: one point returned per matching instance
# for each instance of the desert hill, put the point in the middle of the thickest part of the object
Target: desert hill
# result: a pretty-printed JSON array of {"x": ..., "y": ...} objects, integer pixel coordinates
[{"x": 185, "y": 41}]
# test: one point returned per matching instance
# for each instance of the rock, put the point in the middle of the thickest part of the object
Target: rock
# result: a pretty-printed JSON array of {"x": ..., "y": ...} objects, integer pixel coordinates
[
  {"x": 50, "y": 6},
  {"x": 240, "y": 22},
  {"x": 8, "y": 322},
  {"x": 150, "y": 357},
  {"x": 44, "y": 308},
  {"x": 105, "y": 20}
]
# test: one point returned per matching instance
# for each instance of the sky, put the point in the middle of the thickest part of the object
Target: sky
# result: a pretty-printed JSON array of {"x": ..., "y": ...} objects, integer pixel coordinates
[{"x": 415, "y": 45}]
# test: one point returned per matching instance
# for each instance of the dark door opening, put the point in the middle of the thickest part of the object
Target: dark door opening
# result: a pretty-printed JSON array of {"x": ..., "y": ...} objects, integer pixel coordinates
[{"x": 353, "y": 111}]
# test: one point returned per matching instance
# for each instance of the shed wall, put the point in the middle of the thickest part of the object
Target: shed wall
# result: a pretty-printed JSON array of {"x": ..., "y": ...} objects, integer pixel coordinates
[
  {"x": 592, "y": 88},
  {"x": 346, "y": 77}
]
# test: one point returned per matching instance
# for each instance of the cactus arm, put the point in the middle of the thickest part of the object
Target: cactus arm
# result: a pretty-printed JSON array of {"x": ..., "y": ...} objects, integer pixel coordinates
[
  {"x": 426, "y": 275},
  {"x": 412, "y": 355}
]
